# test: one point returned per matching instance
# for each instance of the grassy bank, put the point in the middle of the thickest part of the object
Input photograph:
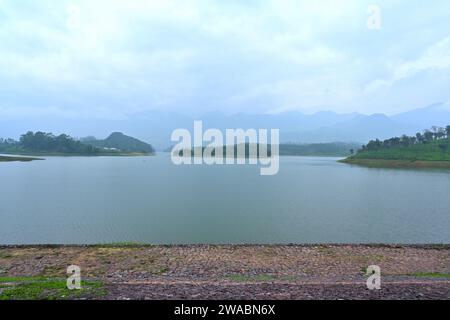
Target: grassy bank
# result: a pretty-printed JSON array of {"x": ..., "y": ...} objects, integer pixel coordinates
[
  {"x": 432, "y": 154},
  {"x": 63, "y": 154},
  {"x": 15, "y": 158},
  {"x": 43, "y": 288},
  {"x": 385, "y": 163},
  {"x": 438, "y": 150}
]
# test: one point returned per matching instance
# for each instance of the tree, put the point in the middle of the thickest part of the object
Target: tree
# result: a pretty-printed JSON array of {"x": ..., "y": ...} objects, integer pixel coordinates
[
  {"x": 436, "y": 133},
  {"x": 419, "y": 137},
  {"x": 428, "y": 135},
  {"x": 47, "y": 142},
  {"x": 405, "y": 140},
  {"x": 440, "y": 133}
]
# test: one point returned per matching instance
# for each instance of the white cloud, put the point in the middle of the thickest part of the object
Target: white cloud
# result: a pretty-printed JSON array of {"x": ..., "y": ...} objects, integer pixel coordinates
[
  {"x": 436, "y": 57},
  {"x": 201, "y": 55}
]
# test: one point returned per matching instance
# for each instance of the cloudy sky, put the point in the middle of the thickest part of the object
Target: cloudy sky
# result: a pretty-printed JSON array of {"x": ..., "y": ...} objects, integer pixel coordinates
[{"x": 110, "y": 58}]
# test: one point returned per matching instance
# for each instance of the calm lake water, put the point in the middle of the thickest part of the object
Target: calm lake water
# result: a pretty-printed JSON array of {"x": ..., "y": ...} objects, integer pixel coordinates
[{"x": 148, "y": 199}]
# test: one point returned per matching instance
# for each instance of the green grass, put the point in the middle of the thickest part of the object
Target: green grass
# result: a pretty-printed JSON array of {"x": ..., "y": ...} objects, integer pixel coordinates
[
  {"x": 42, "y": 288},
  {"x": 5, "y": 255},
  {"x": 365, "y": 272},
  {"x": 4, "y": 280},
  {"x": 431, "y": 275}
]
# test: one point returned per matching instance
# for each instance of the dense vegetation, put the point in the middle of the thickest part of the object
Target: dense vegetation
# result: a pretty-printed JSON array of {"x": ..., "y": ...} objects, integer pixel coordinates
[
  {"x": 291, "y": 149},
  {"x": 42, "y": 142},
  {"x": 431, "y": 145},
  {"x": 318, "y": 149},
  {"x": 46, "y": 143},
  {"x": 247, "y": 149},
  {"x": 119, "y": 141}
]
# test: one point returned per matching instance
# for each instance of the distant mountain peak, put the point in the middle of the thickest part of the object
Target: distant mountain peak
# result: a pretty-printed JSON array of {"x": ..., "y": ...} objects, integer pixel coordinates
[
  {"x": 325, "y": 112},
  {"x": 435, "y": 105},
  {"x": 116, "y": 134},
  {"x": 379, "y": 116},
  {"x": 436, "y": 114},
  {"x": 122, "y": 142}
]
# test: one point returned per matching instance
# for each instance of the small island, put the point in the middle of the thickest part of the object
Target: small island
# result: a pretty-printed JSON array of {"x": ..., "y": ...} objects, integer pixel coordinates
[
  {"x": 47, "y": 144},
  {"x": 430, "y": 149},
  {"x": 332, "y": 149}
]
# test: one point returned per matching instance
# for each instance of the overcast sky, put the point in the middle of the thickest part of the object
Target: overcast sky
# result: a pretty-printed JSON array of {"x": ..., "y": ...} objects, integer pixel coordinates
[{"x": 108, "y": 58}]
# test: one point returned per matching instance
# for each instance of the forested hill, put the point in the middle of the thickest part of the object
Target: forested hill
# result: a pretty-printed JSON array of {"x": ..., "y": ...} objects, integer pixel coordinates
[
  {"x": 119, "y": 141},
  {"x": 42, "y": 143},
  {"x": 430, "y": 146}
]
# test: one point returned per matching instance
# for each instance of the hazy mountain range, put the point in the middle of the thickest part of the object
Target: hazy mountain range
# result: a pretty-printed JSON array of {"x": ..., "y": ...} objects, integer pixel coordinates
[{"x": 156, "y": 127}]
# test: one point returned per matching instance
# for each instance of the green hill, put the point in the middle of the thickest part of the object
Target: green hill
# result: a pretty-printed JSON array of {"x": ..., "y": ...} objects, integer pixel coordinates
[
  {"x": 117, "y": 141},
  {"x": 43, "y": 143},
  {"x": 47, "y": 144},
  {"x": 430, "y": 149}
]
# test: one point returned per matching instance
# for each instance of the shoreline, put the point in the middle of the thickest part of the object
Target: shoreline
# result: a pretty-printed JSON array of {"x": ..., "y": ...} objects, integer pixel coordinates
[
  {"x": 18, "y": 159},
  {"x": 37, "y": 154},
  {"x": 407, "y": 164},
  {"x": 136, "y": 245},
  {"x": 229, "y": 272}
]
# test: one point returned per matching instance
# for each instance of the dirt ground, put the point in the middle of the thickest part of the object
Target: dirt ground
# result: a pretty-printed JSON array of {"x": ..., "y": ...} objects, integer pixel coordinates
[{"x": 241, "y": 272}]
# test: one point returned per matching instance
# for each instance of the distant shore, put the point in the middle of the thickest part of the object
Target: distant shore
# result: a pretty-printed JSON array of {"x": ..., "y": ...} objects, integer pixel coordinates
[
  {"x": 29, "y": 155},
  {"x": 386, "y": 163},
  {"x": 16, "y": 158}
]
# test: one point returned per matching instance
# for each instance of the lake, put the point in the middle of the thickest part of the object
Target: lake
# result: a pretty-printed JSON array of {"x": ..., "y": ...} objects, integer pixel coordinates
[{"x": 79, "y": 200}]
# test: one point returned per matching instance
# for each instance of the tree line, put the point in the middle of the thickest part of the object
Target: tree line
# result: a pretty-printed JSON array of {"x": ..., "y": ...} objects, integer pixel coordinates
[
  {"x": 47, "y": 142},
  {"x": 427, "y": 136}
]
